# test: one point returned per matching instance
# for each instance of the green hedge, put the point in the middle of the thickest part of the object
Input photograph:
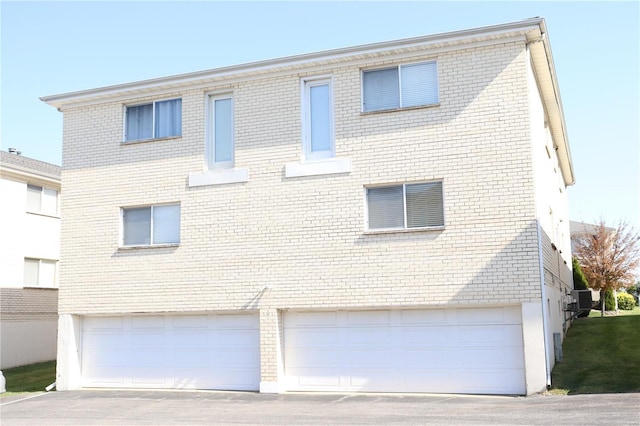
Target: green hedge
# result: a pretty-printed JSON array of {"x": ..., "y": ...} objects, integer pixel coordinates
[{"x": 626, "y": 302}]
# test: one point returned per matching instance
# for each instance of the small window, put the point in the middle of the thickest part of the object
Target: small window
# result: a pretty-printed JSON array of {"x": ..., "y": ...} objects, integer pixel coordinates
[
  {"x": 151, "y": 225},
  {"x": 220, "y": 146},
  {"x": 318, "y": 137},
  {"x": 42, "y": 200},
  {"x": 403, "y": 86},
  {"x": 40, "y": 273},
  {"x": 160, "y": 119},
  {"x": 407, "y": 206}
]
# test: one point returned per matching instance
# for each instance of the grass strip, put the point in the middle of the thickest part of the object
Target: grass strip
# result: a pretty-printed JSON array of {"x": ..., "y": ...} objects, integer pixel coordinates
[
  {"x": 601, "y": 355},
  {"x": 30, "y": 378}
]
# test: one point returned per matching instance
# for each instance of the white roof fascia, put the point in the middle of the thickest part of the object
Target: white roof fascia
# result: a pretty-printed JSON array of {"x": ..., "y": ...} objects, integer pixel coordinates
[
  {"x": 545, "y": 73},
  {"x": 16, "y": 172}
]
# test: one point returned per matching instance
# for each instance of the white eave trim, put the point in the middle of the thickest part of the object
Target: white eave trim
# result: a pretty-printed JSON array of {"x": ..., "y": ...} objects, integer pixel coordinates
[
  {"x": 449, "y": 39},
  {"x": 23, "y": 173},
  {"x": 544, "y": 69}
]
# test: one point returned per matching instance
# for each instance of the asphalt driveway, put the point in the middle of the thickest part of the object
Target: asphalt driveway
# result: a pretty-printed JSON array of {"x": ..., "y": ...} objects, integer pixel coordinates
[{"x": 110, "y": 407}]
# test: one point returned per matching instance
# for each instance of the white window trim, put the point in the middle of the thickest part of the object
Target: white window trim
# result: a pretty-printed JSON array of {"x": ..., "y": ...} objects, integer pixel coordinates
[
  {"x": 40, "y": 212},
  {"x": 122, "y": 246},
  {"x": 153, "y": 122},
  {"x": 364, "y": 70},
  {"x": 210, "y": 131},
  {"x": 404, "y": 201},
  {"x": 305, "y": 86},
  {"x": 55, "y": 273}
]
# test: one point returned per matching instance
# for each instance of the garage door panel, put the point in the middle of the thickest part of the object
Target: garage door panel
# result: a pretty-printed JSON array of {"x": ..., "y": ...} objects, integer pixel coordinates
[
  {"x": 368, "y": 318},
  {"x": 150, "y": 322},
  {"x": 319, "y": 378},
  {"x": 156, "y": 339},
  {"x": 195, "y": 352},
  {"x": 233, "y": 358},
  {"x": 370, "y": 357},
  {"x": 313, "y": 337},
  {"x": 309, "y": 319},
  {"x": 504, "y": 315},
  {"x": 190, "y": 321},
  {"x": 429, "y": 317},
  {"x": 424, "y": 336},
  {"x": 418, "y": 358},
  {"x": 320, "y": 358},
  {"x": 235, "y": 338},
  {"x": 363, "y": 379},
  {"x": 148, "y": 377},
  {"x": 104, "y": 340},
  {"x": 195, "y": 359},
  {"x": 368, "y": 336},
  {"x": 102, "y": 324},
  {"x": 235, "y": 321},
  {"x": 190, "y": 338},
  {"x": 406, "y": 351}
]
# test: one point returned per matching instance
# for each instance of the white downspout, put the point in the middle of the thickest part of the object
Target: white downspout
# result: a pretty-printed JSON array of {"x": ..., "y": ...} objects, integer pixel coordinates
[{"x": 545, "y": 312}]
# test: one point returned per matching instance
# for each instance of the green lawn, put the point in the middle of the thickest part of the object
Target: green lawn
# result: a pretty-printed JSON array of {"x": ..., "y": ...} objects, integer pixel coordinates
[
  {"x": 30, "y": 378},
  {"x": 601, "y": 355}
]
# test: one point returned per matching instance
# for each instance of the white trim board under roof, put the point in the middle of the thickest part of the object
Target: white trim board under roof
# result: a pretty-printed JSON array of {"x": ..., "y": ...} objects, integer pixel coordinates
[{"x": 532, "y": 31}]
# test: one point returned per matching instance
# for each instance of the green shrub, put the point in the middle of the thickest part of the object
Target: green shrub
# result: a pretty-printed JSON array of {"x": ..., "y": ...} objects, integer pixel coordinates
[
  {"x": 579, "y": 280},
  {"x": 626, "y": 302},
  {"x": 609, "y": 301}
]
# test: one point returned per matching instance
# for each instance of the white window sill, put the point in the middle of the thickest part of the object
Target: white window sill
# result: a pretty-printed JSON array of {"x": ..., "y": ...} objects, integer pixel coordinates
[
  {"x": 37, "y": 287},
  {"x": 403, "y": 230},
  {"x": 378, "y": 111},
  {"x": 136, "y": 141},
  {"x": 54, "y": 216},
  {"x": 218, "y": 177},
  {"x": 149, "y": 246},
  {"x": 328, "y": 167}
]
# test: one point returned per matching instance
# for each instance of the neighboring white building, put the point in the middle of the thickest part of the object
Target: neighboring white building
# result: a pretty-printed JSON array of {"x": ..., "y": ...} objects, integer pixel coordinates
[
  {"x": 29, "y": 254},
  {"x": 386, "y": 218}
]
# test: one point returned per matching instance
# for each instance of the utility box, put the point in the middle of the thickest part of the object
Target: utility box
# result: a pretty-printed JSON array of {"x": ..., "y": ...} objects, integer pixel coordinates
[{"x": 583, "y": 300}]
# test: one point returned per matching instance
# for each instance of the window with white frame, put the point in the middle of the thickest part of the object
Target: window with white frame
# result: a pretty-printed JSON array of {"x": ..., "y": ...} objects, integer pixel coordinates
[
  {"x": 151, "y": 225},
  {"x": 405, "y": 206},
  {"x": 317, "y": 107},
  {"x": 401, "y": 86},
  {"x": 159, "y": 119},
  {"x": 42, "y": 200},
  {"x": 40, "y": 273},
  {"x": 220, "y": 146}
]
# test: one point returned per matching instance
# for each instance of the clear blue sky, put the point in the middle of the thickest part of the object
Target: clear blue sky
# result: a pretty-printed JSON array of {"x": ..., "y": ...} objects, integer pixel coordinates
[{"x": 57, "y": 47}]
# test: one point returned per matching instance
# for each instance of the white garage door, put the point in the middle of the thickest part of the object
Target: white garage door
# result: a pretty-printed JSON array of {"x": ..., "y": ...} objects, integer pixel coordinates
[
  {"x": 440, "y": 351},
  {"x": 172, "y": 351}
]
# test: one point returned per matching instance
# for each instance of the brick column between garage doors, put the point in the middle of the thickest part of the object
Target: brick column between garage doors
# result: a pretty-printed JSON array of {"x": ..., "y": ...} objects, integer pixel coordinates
[{"x": 271, "y": 361}]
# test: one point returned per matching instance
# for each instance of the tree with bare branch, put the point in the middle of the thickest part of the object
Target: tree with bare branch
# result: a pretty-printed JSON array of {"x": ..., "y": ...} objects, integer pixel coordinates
[{"x": 609, "y": 257}]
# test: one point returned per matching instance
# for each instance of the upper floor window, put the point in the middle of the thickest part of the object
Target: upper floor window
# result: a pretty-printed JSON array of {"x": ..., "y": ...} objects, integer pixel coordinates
[
  {"x": 159, "y": 119},
  {"x": 402, "y": 86},
  {"x": 406, "y": 206},
  {"x": 317, "y": 108},
  {"x": 151, "y": 225},
  {"x": 220, "y": 146},
  {"x": 42, "y": 200},
  {"x": 40, "y": 273}
]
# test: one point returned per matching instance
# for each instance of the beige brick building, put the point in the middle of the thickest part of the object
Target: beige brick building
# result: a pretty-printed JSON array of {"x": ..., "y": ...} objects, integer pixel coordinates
[{"x": 388, "y": 217}]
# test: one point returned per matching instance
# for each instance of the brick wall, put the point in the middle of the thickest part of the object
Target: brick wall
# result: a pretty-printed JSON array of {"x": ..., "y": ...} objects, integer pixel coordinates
[
  {"x": 305, "y": 236},
  {"x": 25, "y": 304}
]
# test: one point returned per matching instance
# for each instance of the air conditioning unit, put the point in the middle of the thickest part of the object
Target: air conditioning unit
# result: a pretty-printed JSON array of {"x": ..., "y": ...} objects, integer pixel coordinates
[{"x": 583, "y": 300}]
